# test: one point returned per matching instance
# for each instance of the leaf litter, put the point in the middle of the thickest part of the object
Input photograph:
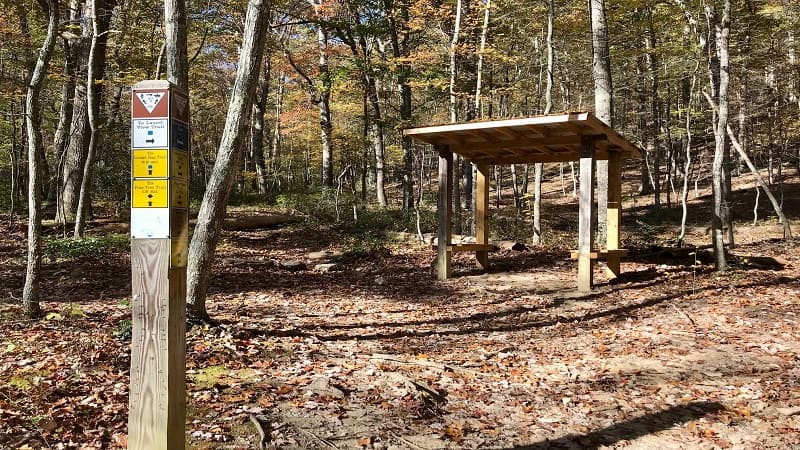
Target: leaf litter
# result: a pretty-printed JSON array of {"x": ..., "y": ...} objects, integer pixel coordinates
[{"x": 379, "y": 355}]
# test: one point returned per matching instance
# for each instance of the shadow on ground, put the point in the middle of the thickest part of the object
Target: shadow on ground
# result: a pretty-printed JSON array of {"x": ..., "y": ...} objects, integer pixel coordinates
[{"x": 630, "y": 429}]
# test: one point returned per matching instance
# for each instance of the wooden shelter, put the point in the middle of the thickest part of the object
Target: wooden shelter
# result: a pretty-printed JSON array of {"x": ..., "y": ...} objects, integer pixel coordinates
[{"x": 552, "y": 138}]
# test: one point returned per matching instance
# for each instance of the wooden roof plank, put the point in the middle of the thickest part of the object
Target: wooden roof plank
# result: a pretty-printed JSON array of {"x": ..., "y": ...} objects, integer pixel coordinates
[{"x": 510, "y": 141}]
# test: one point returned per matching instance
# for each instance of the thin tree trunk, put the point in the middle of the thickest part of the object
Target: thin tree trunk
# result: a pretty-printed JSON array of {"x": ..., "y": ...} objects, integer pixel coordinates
[
  {"x": 688, "y": 162},
  {"x": 479, "y": 69},
  {"x": 74, "y": 159},
  {"x": 720, "y": 147},
  {"x": 399, "y": 34},
  {"x": 176, "y": 47},
  {"x": 31, "y": 291},
  {"x": 83, "y": 198},
  {"x": 538, "y": 168},
  {"x": 453, "y": 66},
  {"x": 212, "y": 210},
  {"x": 60, "y": 138},
  {"x": 653, "y": 142},
  {"x": 537, "y": 203},
  {"x": 275, "y": 153},
  {"x": 603, "y": 101},
  {"x": 323, "y": 103},
  {"x": 259, "y": 132},
  {"x": 787, "y": 232}
]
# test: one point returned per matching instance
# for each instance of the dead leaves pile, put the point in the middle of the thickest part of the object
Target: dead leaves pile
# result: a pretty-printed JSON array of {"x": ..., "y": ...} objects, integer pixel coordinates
[{"x": 671, "y": 356}]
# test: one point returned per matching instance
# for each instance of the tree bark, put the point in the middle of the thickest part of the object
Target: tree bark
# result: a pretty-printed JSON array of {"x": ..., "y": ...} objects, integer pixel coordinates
[
  {"x": 603, "y": 101},
  {"x": 453, "y": 66},
  {"x": 175, "y": 43},
  {"x": 722, "y": 31},
  {"x": 259, "y": 131},
  {"x": 33, "y": 119},
  {"x": 323, "y": 103},
  {"x": 61, "y": 136},
  {"x": 212, "y": 209},
  {"x": 653, "y": 144},
  {"x": 82, "y": 210},
  {"x": 78, "y": 146},
  {"x": 538, "y": 168}
]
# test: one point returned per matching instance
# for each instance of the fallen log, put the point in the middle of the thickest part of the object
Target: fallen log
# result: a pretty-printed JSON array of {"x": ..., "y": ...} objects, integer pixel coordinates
[{"x": 245, "y": 223}]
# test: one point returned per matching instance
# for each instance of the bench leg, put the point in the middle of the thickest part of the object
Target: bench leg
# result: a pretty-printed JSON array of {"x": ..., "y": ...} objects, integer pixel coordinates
[
  {"x": 612, "y": 266},
  {"x": 482, "y": 258}
]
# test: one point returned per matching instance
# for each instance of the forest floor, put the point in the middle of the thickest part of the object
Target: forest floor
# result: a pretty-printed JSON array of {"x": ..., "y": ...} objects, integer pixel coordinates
[{"x": 380, "y": 355}]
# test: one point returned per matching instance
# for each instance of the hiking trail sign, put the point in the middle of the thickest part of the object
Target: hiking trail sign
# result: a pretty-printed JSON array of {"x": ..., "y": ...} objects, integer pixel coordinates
[{"x": 160, "y": 163}]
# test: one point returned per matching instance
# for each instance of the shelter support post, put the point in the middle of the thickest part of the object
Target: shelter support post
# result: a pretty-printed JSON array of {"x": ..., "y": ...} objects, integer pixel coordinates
[
  {"x": 482, "y": 215},
  {"x": 586, "y": 214},
  {"x": 445, "y": 207},
  {"x": 614, "y": 214}
]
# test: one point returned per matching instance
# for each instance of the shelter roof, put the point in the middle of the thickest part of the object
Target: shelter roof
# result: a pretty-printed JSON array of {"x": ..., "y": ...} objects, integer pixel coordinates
[{"x": 550, "y": 138}]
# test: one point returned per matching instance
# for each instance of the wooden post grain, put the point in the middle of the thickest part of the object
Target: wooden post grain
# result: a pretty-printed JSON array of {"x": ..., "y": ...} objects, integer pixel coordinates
[
  {"x": 445, "y": 207},
  {"x": 159, "y": 240},
  {"x": 586, "y": 214},
  {"x": 482, "y": 214},
  {"x": 157, "y": 414},
  {"x": 613, "y": 216}
]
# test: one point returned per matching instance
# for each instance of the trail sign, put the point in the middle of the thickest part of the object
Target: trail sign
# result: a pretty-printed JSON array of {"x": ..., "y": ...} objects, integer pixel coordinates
[
  {"x": 150, "y": 133},
  {"x": 150, "y": 163},
  {"x": 150, "y": 103},
  {"x": 160, "y": 163}
]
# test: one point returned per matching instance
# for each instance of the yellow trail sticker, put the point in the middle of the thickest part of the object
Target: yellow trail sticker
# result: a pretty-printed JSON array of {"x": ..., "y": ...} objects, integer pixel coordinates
[
  {"x": 180, "y": 194},
  {"x": 149, "y": 194},
  {"x": 179, "y": 164},
  {"x": 150, "y": 163}
]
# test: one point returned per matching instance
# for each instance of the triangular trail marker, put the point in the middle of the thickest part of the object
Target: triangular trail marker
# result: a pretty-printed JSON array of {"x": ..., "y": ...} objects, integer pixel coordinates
[
  {"x": 150, "y": 100},
  {"x": 180, "y": 103}
]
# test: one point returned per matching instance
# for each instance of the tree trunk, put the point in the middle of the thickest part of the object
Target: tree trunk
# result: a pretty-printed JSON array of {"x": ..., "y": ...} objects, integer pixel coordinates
[
  {"x": 38, "y": 72},
  {"x": 538, "y": 168},
  {"x": 603, "y": 101},
  {"x": 259, "y": 133},
  {"x": 479, "y": 69},
  {"x": 399, "y": 35},
  {"x": 720, "y": 144},
  {"x": 537, "y": 203},
  {"x": 175, "y": 44},
  {"x": 453, "y": 65},
  {"x": 82, "y": 210},
  {"x": 323, "y": 103},
  {"x": 687, "y": 146},
  {"x": 61, "y": 135},
  {"x": 655, "y": 125},
  {"x": 78, "y": 146},
  {"x": 212, "y": 210}
]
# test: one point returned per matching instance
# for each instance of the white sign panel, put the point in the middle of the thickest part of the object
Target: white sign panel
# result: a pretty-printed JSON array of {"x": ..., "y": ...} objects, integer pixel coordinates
[
  {"x": 149, "y": 223},
  {"x": 150, "y": 133},
  {"x": 150, "y": 99}
]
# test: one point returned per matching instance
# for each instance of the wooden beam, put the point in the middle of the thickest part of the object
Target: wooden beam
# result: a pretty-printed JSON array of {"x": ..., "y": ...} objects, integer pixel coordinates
[
  {"x": 482, "y": 215},
  {"x": 533, "y": 158},
  {"x": 445, "y": 208},
  {"x": 586, "y": 214},
  {"x": 521, "y": 143},
  {"x": 613, "y": 213},
  {"x": 423, "y": 133},
  {"x": 158, "y": 348}
]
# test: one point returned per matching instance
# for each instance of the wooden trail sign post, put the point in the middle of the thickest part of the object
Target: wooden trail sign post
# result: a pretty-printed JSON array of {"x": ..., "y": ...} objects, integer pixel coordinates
[{"x": 159, "y": 250}]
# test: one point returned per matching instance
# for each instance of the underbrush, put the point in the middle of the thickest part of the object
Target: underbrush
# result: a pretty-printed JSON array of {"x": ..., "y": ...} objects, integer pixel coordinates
[{"x": 61, "y": 248}]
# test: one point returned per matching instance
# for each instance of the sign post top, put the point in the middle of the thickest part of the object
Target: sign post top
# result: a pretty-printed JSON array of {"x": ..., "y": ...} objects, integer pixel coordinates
[{"x": 154, "y": 84}]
